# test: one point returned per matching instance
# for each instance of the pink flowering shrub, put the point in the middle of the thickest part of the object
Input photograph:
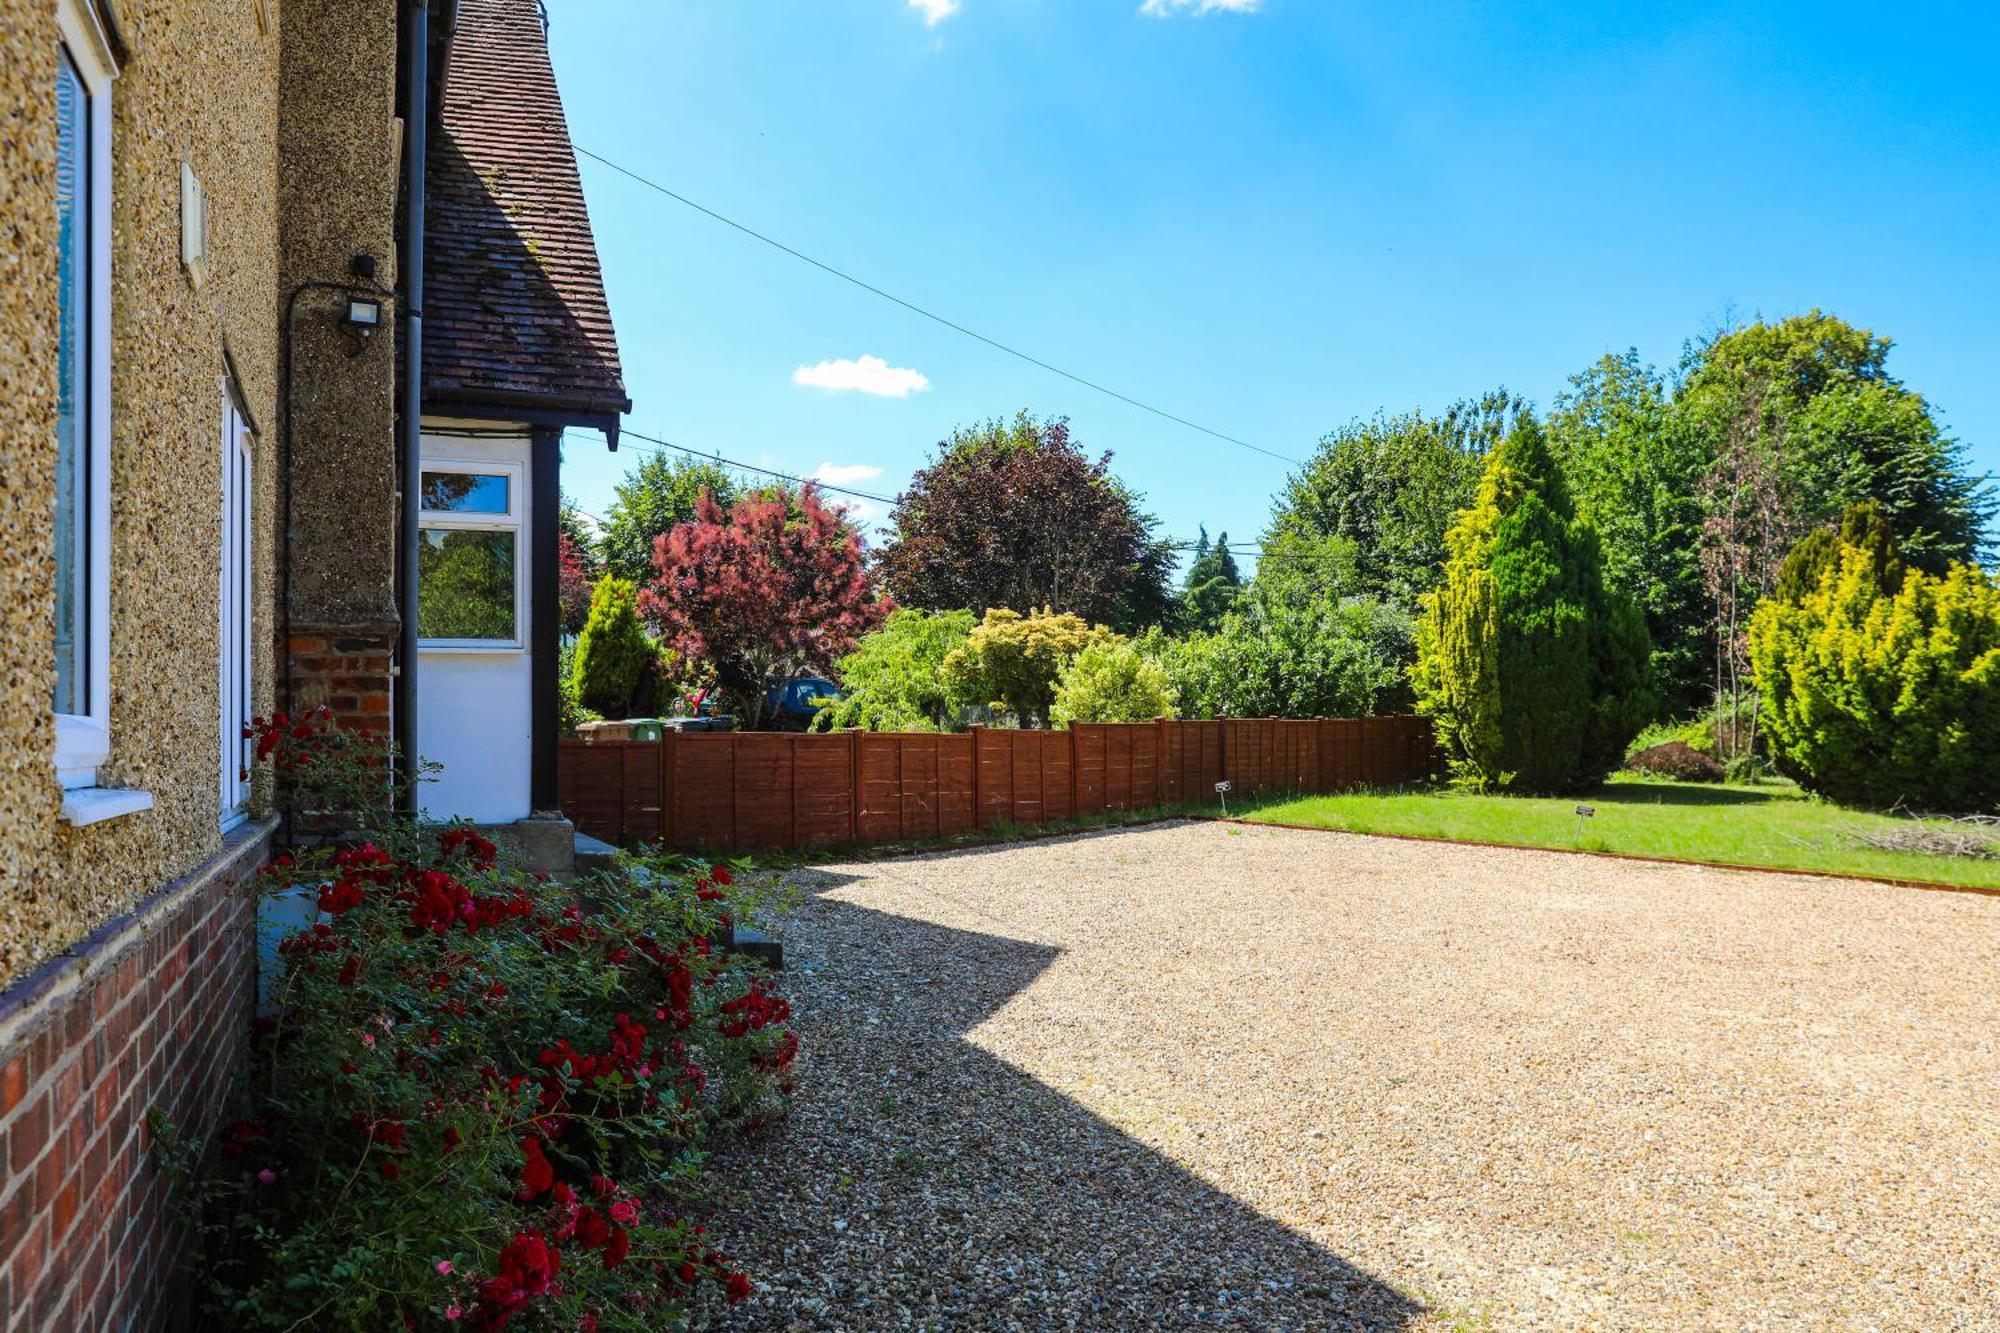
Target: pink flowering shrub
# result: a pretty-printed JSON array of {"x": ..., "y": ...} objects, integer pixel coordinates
[{"x": 483, "y": 1093}]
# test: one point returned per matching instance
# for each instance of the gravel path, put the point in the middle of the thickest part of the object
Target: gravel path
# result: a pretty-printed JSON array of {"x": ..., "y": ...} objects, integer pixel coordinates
[{"x": 1196, "y": 1076}]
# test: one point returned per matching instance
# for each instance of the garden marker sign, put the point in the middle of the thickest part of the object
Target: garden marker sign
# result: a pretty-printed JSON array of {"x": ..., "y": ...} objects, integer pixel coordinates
[{"x": 1222, "y": 794}]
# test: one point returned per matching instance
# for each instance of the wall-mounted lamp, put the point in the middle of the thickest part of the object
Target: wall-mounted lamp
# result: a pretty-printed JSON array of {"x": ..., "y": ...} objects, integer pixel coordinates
[{"x": 363, "y": 317}]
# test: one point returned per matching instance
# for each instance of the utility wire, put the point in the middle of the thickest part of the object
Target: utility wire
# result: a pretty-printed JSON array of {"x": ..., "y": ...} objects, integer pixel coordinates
[
  {"x": 627, "y": 433},
  {"x": 656, "y": 443},
  {"x": 932, "y": 315}
]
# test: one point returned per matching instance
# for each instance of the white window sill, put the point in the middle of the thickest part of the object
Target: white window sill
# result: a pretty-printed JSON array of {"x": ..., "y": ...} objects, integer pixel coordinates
[
  {"x": 94, "y": 805},
  {"x": 495, "y": 648}
]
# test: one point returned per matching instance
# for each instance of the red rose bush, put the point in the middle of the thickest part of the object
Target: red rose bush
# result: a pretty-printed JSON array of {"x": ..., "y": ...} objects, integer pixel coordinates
[{"x": 483, "y": 1095}]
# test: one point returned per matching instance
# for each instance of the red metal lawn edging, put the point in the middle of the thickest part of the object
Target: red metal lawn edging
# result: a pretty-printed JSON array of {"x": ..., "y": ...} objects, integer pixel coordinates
[{"x": 1935, "y": 886}]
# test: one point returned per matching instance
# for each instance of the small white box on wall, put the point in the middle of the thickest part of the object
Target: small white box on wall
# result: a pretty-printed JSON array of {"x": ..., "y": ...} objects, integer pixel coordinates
[{"x": 194, "y": 226}]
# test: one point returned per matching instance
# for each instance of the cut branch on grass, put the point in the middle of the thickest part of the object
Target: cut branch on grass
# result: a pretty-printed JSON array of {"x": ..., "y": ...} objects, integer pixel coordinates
[{"x": 1973, "y": 837}]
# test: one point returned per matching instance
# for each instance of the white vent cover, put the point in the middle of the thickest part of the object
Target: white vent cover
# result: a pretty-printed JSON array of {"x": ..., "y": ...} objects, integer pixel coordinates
[{"x": 194, "y": 226}]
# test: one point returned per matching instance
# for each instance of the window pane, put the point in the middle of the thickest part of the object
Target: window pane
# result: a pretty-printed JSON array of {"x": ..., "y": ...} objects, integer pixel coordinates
[
  {"x": 467, "y": 584},
  {"x": 465, "y": 492},
  {"x": 72, "y": 362}
]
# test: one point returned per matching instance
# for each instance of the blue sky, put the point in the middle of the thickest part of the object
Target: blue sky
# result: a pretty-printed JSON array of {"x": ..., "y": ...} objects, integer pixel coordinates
[{"x": 1267, "y": 217}]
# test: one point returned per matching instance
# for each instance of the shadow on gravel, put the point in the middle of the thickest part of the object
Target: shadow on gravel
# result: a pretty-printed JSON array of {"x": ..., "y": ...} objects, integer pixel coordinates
[{"x": 925, "y": 1183}]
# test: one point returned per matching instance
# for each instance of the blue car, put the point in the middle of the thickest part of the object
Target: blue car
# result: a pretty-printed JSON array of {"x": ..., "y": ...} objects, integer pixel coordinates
[{"x": 792, "y": 703}]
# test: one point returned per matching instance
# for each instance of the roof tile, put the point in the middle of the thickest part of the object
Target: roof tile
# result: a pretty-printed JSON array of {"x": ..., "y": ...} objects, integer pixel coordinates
[{"x": 514, "y": 301}]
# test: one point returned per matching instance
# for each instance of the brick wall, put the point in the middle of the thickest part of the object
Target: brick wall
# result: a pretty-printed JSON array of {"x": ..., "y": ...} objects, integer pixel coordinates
[
  {"x": 149, "y": 1012},
  {"x": 346, "y": 669}
]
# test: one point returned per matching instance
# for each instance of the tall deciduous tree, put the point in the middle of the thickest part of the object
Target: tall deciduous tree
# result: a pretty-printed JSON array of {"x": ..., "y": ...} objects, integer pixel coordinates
[
  {"x": 773, "y": 586},
  {"x": 1635, "y": 470},
  {"x": 1534, "y": 671},
  {"x": 1015, "y": 514},
  {"x": 654, "y": 496},
  {"x": 1813, "y": 394},
  {"x": 1391, "y": 485}
]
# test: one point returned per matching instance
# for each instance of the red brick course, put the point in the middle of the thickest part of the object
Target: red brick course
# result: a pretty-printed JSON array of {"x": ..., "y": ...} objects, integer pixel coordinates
[
  {"x": 150, "y": 1013},
  {"x": 348, "y": 671}
]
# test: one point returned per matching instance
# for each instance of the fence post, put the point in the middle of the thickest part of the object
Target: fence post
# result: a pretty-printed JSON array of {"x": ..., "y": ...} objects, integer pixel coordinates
[
  {"x": 978, "y": 806},
  {"x": 667, "y": 739},
  {"x": 1159, "y": 761},
  {"x": 1076, "y": 773},
  {"x": 854, "y": 782},
  {"x": 792, "y": 822}
]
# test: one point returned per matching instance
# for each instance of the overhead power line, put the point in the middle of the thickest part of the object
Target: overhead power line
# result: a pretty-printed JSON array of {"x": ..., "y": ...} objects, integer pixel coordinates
[
  {"x": 627, "y": 433},
  {"x": 932, "y": 315},
  {"x": 655, "y": 442}
]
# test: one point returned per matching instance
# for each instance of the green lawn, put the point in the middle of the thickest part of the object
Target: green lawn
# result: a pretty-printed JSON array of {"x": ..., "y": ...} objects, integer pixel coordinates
[{"x": 1772, "y": 824}]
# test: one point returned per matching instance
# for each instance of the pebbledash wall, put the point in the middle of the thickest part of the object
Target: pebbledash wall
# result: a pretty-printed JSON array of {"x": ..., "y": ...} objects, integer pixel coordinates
[
  {"x": 338, "y": 142},
  {"x": 126, "y": 950}
]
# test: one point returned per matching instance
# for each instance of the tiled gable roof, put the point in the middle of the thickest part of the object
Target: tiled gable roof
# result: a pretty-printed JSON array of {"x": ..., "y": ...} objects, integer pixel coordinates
[{"x": 514, "y": 308}]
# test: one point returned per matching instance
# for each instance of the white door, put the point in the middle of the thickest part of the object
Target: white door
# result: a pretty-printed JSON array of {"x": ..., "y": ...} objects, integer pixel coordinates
[
  {"x": 236, "y": 602},
  {"x": 474, "y": 674}
]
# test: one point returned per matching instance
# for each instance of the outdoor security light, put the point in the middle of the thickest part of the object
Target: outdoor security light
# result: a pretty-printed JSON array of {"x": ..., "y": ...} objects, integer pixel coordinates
[{"x": 363, "y": 315}]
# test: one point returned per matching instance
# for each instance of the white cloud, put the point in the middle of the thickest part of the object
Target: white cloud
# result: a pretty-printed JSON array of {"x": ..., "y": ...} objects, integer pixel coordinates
[
  {"x": 867, "y": 374},
  {"x": 935, "y": 11},
  {"x": 845, "y": 474},
  {"x": 859, "y": 512},
  {"x": 1161, "y": 9}
]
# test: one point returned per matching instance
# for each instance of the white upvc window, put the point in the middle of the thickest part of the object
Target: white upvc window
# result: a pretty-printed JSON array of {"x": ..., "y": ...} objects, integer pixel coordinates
[
  {"x": 237, "y": 603},
  {"x": 82, "y": 613},
  {"x": 472, "y": 591}
]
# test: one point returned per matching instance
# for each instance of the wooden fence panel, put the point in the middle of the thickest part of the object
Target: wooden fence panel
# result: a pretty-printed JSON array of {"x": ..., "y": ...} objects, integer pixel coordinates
[
  {"x": 704, "y": 789},
  {"x": 763, "y": 800},
  {"x": 954, "y": 785},
  {"x": 920, "y": 787},
  {"x": 823, "y": 790},
  {"x": 1089, "y": 783},
  {"x": 880, "y": 785}
]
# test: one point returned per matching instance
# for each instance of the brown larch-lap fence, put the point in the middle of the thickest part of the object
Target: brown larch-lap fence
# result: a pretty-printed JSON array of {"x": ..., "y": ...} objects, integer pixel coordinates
[{"x": 768, "y": 791}]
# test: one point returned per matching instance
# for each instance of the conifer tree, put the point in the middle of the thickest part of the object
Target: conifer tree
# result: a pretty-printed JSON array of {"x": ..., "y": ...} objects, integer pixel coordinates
[{"x": 1535, "y": 673}]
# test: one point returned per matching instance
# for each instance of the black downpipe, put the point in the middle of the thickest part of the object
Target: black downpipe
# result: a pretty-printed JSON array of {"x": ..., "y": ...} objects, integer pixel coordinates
[{"x": 416, "y": 142}]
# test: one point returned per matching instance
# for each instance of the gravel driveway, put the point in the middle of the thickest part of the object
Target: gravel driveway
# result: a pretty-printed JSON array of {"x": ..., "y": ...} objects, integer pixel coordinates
[{"x": 1196, "y": 1075}]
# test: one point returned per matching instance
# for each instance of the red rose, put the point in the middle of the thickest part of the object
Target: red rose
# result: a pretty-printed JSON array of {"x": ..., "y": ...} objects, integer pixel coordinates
[
  {"x": 591, "y": 1229},
  {"x": 620, "y": 1246},
  {"x": 530, "y": 1263},
  {"x": 625, "y": 1212},
  {"x": 538, "y": 1175}
]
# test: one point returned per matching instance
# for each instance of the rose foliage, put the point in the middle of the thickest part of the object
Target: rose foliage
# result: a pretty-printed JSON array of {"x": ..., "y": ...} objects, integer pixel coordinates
[{"x": 484, "y": 1096}]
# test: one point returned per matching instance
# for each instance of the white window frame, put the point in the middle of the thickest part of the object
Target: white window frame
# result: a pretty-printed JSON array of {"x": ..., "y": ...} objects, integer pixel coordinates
[
  {"x": 511, "y": 521},
  {"x": 236, "y": 606},
  {"x": 83, "y": 740}
]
